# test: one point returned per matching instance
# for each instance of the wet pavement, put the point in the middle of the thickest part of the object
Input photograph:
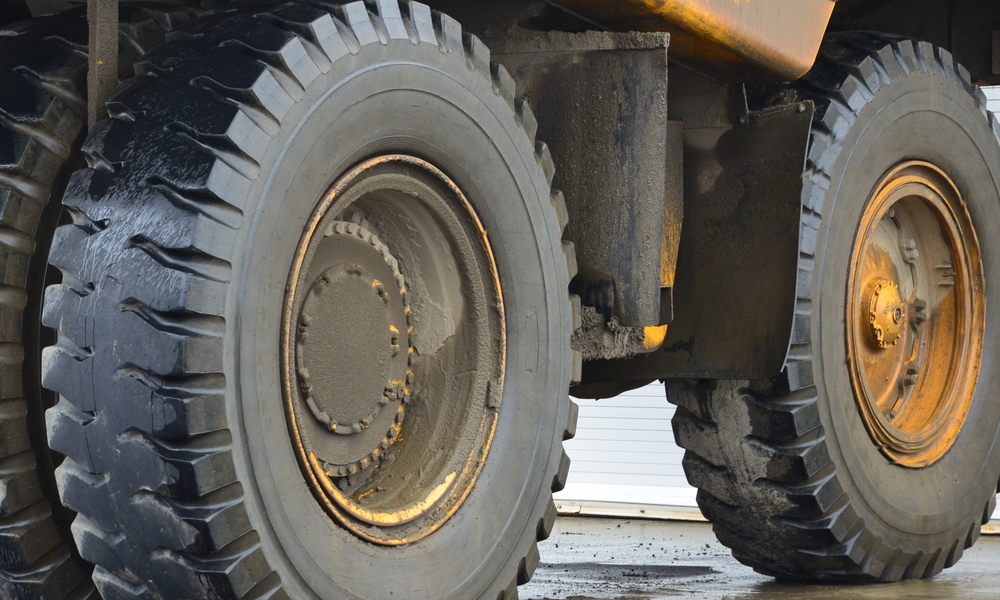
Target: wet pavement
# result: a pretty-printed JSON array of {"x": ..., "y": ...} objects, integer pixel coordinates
[{"x": 589, "y": 558}]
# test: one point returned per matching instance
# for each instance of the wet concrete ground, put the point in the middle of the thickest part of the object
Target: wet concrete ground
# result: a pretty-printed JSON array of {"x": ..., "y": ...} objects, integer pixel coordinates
[{"x": 612, "y": 559}]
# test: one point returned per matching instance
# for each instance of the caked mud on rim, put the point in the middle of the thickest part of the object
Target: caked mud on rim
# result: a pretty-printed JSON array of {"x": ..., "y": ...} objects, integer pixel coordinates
[
  {"x": 393, "y": 349},
  {"x": 915, "y": 314}
]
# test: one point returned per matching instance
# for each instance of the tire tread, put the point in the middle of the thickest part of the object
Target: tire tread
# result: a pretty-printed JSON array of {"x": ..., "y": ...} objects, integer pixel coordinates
[
  {"x": 180, "y": 480},
  {"x": 42, "y": 118}
]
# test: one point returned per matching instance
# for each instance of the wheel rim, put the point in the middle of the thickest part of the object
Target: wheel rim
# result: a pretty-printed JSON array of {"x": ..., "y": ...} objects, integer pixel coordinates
[
  {"x": 393, "y": 349},
  {"x": 915, "y": 314}
]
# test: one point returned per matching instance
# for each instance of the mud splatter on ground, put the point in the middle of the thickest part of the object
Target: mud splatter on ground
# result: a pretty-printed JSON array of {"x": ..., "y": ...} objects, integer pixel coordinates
[{"x": 612, "y": 559}]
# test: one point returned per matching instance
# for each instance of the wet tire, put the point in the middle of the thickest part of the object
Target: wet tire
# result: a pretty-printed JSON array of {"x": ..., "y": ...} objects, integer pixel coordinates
[
  {"x": 43, "y": 72},
  {"x": 787, "y": 470},
  {"x": 179, "y": 456}
]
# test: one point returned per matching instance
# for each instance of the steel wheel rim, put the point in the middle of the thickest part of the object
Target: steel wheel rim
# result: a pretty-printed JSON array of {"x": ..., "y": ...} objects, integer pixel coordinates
[
  {"x": 396, "y": 238},
  {"x": 915, "y": 314}
]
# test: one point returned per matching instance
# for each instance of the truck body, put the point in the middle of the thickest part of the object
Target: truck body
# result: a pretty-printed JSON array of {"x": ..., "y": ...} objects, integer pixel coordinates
[{"x": 297, "y": 292}]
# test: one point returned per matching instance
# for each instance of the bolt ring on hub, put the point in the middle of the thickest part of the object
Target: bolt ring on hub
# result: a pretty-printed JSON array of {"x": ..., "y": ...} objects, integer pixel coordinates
[
  {"x": 392, "y": 348},
  {"x": 915, "y": 314}
]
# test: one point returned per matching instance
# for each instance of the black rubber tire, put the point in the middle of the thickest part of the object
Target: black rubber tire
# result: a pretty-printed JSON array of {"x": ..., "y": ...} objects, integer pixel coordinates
[
  {"x": 43, "y": 75},
  {"x": 785, "y": 469},
  {"x": 178, "y": 460}
]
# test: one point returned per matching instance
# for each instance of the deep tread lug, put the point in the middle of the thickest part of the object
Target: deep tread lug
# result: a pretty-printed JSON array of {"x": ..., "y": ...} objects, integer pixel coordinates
[{"x": 148, "y": 431}]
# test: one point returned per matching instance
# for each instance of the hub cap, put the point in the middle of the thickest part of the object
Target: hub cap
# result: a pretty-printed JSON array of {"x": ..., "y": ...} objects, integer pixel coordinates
[
  {"x": 915, "y": 315},
  {"x": 393, "y": 347}
]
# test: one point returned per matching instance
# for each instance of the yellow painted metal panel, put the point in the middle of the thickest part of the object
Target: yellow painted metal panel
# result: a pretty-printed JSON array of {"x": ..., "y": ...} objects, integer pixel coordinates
[{"x": 765, "y": 39}]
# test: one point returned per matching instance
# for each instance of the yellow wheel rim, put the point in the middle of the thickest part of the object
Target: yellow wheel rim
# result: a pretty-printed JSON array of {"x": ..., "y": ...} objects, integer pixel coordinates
[{"x": 915, "y": 314}]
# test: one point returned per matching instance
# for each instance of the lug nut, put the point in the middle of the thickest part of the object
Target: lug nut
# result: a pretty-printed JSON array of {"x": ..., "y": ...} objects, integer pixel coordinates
[{"x": 919, "y": 311}]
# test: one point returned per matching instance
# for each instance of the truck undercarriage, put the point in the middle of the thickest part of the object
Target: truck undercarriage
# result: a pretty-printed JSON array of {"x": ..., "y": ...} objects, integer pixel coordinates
[{"x": 296, "y": 293}]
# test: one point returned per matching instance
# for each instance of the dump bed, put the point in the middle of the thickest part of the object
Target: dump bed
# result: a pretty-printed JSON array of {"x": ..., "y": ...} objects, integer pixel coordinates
[{"x": 774, "y": 39}]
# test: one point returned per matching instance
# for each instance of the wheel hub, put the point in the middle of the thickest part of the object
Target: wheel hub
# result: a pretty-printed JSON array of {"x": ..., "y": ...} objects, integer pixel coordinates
[
  {"x": 393, "y": 309},
  {"x": 886, "y": 314},
  {"x": 358, "y": 303},
  {"x": 915, "y": 316}
]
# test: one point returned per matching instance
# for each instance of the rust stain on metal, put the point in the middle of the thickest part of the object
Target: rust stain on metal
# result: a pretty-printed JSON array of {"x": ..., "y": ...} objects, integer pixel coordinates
[
  {"x": 915, "y": 314},
  {"x": 778, "y": 38}
]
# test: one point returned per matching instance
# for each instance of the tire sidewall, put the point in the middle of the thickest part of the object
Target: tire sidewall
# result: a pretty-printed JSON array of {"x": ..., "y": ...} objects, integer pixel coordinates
[
  {"x": 416, "y": 100},
  {"x": 931, "y": 117}
]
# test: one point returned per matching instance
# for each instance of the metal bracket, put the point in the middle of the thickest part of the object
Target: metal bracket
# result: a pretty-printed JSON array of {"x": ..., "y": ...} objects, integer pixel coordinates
[
  {"x": 734, "y": 296},
  {"x": 102, "y": 74},
  {"x": 601, "y": 99}
]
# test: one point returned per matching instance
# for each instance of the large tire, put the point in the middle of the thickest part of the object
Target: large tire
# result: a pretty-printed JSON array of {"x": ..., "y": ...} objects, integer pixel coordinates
[
  {"x": 43, "y": 74},
  {"x": 788, "y": 470},
  {"x": 182, "y": 461}
]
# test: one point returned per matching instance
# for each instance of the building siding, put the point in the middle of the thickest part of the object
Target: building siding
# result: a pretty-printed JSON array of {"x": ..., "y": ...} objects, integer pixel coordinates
[
  {"x": 624, "y": 452},
  {"x": 992, "y": 98}
]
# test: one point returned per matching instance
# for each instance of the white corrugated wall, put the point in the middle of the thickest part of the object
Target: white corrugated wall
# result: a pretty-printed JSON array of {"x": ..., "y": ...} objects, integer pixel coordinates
[
  {"x": 624, "y": 451},
  {"x": 993, "y": 98}
]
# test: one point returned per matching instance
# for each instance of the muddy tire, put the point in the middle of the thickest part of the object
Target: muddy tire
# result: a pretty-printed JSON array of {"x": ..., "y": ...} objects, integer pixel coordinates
[
  {"x": 873, "y": 456},
  {"x": 264, "y": 166},
  {"x": 43, "y": 72}
]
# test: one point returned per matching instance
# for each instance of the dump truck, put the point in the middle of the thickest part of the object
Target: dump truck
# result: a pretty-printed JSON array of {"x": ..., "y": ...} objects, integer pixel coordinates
[{"x": 295, "y": 294}]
